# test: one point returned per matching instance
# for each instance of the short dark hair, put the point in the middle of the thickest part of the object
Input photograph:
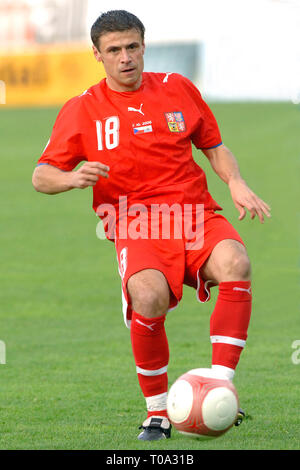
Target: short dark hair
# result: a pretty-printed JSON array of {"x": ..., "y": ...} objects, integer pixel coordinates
[{"x": 115, "y": 20}]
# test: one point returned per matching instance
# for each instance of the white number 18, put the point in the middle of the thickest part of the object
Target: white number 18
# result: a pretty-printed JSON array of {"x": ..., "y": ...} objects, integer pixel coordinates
[{"x": 112, "y": 128}]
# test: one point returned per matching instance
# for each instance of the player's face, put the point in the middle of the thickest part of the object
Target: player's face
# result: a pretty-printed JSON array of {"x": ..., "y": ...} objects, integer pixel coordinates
[{"x": 122, "y": 54}]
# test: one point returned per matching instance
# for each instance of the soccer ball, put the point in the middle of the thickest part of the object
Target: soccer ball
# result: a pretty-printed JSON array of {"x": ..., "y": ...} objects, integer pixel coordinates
[{"x": 202, "y": 404}]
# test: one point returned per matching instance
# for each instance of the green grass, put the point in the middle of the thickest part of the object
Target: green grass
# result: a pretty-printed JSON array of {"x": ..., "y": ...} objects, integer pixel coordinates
[{"x": 69, "y": 381}]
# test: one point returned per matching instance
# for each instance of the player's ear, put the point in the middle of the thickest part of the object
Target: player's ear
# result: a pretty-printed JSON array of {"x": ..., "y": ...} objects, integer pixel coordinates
[{"x": 97, "y": 54}]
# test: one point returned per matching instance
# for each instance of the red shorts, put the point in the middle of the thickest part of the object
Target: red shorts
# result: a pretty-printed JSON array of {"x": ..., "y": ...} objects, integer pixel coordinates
[{"x": 170, "y": 256}]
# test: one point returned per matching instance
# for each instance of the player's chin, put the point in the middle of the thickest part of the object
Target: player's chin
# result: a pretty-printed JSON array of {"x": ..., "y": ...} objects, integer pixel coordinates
[{"x": 129, "y": 79}]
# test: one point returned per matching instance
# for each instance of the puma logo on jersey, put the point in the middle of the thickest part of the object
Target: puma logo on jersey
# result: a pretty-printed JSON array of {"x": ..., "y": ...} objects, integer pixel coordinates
[
  {"x": 144, "y": 324},
  {"x": 243, "y": 290},
  {"x": 136, "y": 110},
  {"x": 165, "y": 80}
]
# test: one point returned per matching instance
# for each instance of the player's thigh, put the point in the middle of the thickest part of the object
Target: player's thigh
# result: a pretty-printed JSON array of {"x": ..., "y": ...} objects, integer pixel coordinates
[
  {"x": 152, "y": 273},
  {"x": 201, "y": 265}
]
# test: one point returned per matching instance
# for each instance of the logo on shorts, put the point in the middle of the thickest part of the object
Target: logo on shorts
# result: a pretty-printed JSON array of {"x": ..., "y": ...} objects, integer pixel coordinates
[
  {"x": 175, "y": 121},
  {"x": 123, "y": 262}
]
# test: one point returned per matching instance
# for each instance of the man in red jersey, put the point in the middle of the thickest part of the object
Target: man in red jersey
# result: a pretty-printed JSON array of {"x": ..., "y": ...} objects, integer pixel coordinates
[{"x": 135, "y": 130}]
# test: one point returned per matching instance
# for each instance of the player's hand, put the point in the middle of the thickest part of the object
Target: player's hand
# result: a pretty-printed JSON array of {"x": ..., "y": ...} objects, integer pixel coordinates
[
  {"x": 245, "y": 199},
  {"x": 88, "y": 174}
]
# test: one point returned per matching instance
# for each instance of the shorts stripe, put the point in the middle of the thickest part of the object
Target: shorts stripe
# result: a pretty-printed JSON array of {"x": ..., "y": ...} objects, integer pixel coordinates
[
  {"x": 150, "y": 373},
  {"x": 228, "y": 340}
]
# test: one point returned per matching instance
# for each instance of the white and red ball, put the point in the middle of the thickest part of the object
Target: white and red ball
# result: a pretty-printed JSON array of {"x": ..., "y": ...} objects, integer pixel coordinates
[{"x": 201, "y": 404}]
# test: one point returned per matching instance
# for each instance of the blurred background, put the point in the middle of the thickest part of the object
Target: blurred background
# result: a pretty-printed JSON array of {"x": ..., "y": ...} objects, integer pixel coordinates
[
  {"x": 68, "y": 380},
  {"x": 233, "y": 49}
]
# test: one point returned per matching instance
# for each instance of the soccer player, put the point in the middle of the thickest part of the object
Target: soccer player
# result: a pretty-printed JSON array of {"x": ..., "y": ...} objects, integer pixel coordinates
[{"x": 134, "y": 131}]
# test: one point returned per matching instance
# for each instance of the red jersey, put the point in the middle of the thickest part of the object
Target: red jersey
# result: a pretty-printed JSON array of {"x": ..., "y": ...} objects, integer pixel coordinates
[{"x": 144, "y": 136}]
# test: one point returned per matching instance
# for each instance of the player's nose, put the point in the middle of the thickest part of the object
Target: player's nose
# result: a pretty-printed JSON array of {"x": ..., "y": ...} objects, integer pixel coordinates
[{"x": 125, "y": 58}]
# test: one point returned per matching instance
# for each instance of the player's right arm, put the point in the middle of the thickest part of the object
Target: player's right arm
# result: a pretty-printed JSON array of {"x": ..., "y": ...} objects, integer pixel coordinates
[
  {"x": 51, "y": 180},
  {"x": 56, "y": 170}
]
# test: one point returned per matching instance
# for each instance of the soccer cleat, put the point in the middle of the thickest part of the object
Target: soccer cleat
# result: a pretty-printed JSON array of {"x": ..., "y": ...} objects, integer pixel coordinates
[
  {"x": 240, "y": 417},
  {"x": 155, "y": 428}
]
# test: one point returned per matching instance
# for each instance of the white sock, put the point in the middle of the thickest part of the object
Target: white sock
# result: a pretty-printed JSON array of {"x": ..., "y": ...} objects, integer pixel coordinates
[
  {"x": 157, "y": 402},
  {"x": 224, "y": 371}
]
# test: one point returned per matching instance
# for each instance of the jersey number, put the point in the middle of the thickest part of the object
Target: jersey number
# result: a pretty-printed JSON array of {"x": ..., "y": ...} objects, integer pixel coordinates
[{"x": 111, "y": 131}]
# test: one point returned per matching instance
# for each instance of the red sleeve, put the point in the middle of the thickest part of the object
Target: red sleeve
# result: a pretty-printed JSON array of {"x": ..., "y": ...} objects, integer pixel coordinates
[
  {"x": 64, "y": 149},
  {"x": 207, "y": 134}
]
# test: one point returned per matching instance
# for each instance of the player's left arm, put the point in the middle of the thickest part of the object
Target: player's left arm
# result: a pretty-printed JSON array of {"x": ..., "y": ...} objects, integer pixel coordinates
[{"x": 226, "y": 167}]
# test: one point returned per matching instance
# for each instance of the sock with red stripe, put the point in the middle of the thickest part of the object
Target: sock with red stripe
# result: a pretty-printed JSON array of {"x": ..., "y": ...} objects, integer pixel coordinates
[
  {"x": 151, "y": 353},
  {"x": 229, "y": 324}
]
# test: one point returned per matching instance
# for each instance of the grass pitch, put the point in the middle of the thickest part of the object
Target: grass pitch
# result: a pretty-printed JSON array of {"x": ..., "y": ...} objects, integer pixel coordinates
[{"x": 69, "y": 380}]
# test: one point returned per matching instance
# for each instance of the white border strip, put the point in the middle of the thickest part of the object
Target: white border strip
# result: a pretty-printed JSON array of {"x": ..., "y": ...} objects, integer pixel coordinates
[
  {"x": 150, "y": 373},
  {"x": 228, "y": 340},
  {"x": 207, "y": 290}
]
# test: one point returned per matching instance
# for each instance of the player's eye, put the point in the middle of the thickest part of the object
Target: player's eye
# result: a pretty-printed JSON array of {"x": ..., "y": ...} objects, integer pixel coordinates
[
  {"x": 113, "y": 50},
  {"x": 133, "y": 46}
]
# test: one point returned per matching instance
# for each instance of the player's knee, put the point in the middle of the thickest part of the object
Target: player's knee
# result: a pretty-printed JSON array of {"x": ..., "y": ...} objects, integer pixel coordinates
[
  {"x": 149, "y": 298},
  {"x": 151, "y": 303},
  {"x": 238, "y": 267}
]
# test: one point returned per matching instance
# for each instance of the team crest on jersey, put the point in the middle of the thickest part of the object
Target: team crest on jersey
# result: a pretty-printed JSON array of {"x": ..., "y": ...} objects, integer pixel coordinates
[{"x": 175, "y": 121}]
